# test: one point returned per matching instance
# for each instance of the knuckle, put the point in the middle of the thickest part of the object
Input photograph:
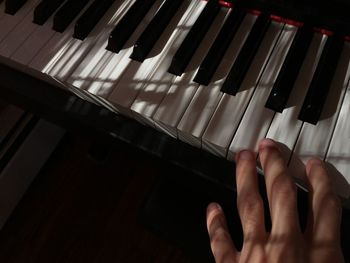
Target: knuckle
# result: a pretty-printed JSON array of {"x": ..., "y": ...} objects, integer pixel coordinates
[
  {"x": 219, "y": 236},
  {"x": 251, "y": 210},
  {"x": 249, "y": 204}
]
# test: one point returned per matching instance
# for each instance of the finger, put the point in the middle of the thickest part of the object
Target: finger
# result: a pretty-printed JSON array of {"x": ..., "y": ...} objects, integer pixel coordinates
[
  {"x": 221, "y": 243},
  {"x": 249, "y": 202},
  {"x": 325, "y": 219},
  {"x": 281, "y": 190}
]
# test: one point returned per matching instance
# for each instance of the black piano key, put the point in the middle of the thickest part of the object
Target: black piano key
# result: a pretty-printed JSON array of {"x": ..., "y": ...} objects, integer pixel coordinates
[
  {"x": 246, "y": 55},
  {"x": 12, "y": 6},
  {"x": 219, "y": 47},
  {"x": 67, "y": 13},
  {"x": 154, "y": 30},
  {"x": 90, "y": 18},
  {"x": 128, "y": 24},
  {"x": 321, "y": 81},
  {"x": 194, "y": 37},
  {"x": 285, "y": 81},
  {"x": 44, "y": 10}
]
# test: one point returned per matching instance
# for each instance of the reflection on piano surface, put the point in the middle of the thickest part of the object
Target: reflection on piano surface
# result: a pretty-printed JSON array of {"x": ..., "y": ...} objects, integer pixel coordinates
[{"x": 217, "y": 75}]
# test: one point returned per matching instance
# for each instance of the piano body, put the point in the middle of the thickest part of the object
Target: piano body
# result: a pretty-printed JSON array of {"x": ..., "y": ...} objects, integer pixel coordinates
[
  {"x": 190, "y": 81},
  {"x": 215, "y": 75}
]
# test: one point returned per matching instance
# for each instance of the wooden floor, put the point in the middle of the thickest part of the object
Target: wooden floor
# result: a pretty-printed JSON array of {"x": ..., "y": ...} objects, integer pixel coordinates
[{"x": 80, "y": 210}]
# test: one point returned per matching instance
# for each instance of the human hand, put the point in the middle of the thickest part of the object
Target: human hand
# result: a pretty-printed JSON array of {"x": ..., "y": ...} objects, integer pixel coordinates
[{"x": 285, "y": 243}]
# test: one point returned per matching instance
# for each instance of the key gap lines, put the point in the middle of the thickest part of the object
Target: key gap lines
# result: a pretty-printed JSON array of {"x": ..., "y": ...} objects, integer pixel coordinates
[
  {"x": 210, "y": 124},
  {"x": 170, "y": 47},
  {"x": 22, "y": 43},
  {"x": 17, "y": 24},
  {"x": 347, "y": 89},
  {"x": 256, "y": 86},
  {"x": 107, "y": 57},
  {"x": 116, "y": 81},
  {"x": 191, "y": 70},
  {"x": 297, "y": 86},
  {"x": 111, "y": 18},
  {"x": 295, "y": 144},
  {"x": 179, "y": 29}
]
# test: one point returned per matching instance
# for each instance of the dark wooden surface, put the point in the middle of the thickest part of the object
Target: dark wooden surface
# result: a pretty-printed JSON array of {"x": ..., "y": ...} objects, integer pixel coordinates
[{"x": 80, "y": 210}]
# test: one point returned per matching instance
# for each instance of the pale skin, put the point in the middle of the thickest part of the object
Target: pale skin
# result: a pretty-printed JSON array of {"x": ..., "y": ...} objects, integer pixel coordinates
[{"x": 320, "y": 243}]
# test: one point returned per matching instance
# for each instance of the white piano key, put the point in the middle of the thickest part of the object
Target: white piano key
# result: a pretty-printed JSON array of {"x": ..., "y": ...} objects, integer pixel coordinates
[
  {"x": 34, "y": 43},
  {"x": 60, "y": 47},
  {"x": 329, "y": 138},
  {"x": 158, "y": 84},
  {"x": 204, "y": 102},
  {"x": 231, "y": 108},
  {"x": 110, "y": 66},
  {"x": 18, "y": 36},
  {"x": 338, "y": 154},
  {"x": 108, "y": 76},
  {"x": 8, "y": 22},
  {"x": 97, "y": 57},
  {"x": 65, "y": 67},
  {"x": 137, "y": 75},
  {"x": 181, "y": 92},
  {"x": 285, "y": 126},
  {"x": 308, "y": 144},
  {"x": 62, "y": 54},
  {"x": 257, "y": 119},
  {"x": 314, "y": 140}
]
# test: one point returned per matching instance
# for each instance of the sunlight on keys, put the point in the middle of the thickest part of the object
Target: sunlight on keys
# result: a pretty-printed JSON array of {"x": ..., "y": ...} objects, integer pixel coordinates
[
  {"x": 255, "y": 123},
  {"x": 288, "y": 119},
  {"x": 160, "y": 80},
  {"x": 98, "y": 55},
  {"x": 314, "y": 140},
  {"x": 57, "y": 57},
  {"x": 137, "y": 75},
  {"x": 110, "y": 75},
  {"x": 109, "y": 72},
  {"x": 181, "y": 92}
]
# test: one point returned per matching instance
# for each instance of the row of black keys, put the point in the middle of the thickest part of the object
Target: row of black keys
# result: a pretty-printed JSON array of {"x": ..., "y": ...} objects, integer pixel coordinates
[
  {"x": 317, "y": 92},
  {"x": 65, "y": 13}
]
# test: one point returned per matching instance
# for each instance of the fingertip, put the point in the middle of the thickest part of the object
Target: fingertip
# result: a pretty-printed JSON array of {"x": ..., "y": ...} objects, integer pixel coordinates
[
  {"x": 270, "y": 152},
  {"x": 213, "y": 208},
  {"x": 313, "y": 163},
  {"x": 214, "y": 216},
  {"x": 267, "y": 143}
]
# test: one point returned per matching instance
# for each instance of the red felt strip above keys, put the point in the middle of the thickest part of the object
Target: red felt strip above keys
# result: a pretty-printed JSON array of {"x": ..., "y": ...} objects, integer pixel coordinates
[
  {"x": 226, "y": 4},
  {"x": 286, "y": 21}
]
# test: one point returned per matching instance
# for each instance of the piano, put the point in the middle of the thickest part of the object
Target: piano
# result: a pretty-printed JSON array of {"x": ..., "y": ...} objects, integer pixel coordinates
[
  {"x": 216, "y": 75},
  {"x": 192, "y": 81}
]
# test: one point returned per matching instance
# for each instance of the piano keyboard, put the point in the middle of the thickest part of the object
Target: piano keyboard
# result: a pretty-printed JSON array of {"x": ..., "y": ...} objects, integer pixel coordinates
[{"x": 215, "y": 77}]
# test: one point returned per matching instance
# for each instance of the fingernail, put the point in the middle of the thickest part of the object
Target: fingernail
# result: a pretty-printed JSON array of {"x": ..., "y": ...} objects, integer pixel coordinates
[
  {"x": 245, "y": 155},
  {"x": 212, "y": 207},
  {"x": 267, "y": 143}
]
